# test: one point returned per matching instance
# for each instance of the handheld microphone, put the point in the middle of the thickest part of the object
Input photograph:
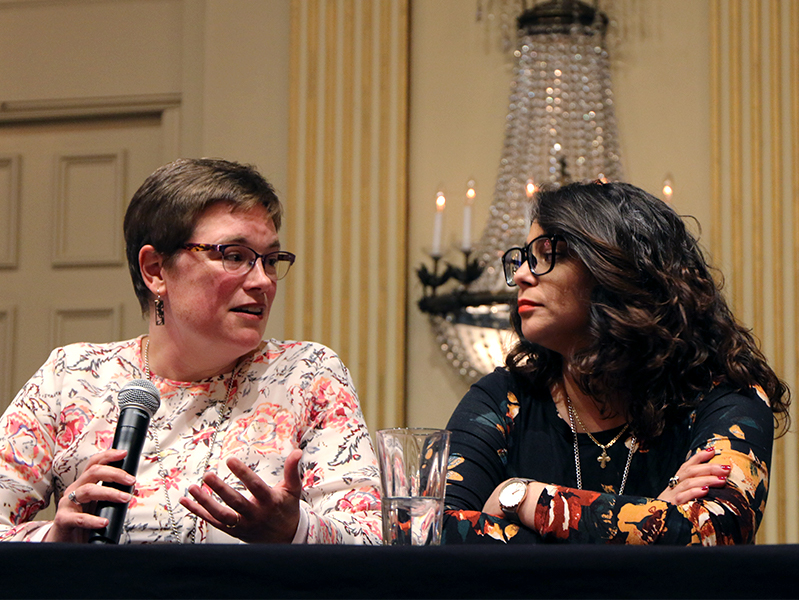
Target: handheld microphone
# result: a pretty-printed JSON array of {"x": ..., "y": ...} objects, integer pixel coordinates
[{"x": 138, "y": 402}]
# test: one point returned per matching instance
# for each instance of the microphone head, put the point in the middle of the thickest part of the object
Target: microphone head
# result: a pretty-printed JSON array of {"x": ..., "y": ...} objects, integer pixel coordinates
[{"x": 142, "y": 394}]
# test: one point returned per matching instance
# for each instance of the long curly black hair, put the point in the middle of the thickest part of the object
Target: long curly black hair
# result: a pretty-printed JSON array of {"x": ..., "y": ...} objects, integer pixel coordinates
[{"x": 660, "y": 330}]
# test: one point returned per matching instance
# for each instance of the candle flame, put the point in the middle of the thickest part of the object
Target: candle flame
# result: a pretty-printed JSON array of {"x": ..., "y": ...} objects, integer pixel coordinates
[
  {"x": 470, "y": 193},
  {"x": 530, "y": 187},
  {"x": 668, "y": 189},
  {"x": 440, "y": 201}
]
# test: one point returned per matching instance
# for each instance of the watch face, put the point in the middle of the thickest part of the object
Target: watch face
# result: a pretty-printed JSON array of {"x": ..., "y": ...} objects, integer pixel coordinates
[{"x": 513, "y": 494}]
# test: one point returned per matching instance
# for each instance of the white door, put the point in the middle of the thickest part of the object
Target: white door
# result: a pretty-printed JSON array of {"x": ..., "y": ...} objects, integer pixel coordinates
[{"x": 64, "y": 187}]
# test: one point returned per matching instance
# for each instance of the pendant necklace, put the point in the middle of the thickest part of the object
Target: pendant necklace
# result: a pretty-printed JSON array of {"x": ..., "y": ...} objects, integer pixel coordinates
[
  {"x": 603, "y": 459},
  {"x": 162, "y": 472}
]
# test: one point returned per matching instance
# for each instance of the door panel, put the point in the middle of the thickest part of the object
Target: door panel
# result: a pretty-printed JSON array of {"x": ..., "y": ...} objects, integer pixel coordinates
[{"x": 64, "y": 187}]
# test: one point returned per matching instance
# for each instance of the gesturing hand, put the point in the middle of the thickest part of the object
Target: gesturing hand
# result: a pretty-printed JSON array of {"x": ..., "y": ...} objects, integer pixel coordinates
[
  {"x": 695, "y": 477},
  {"x": 271, "y": 515},
  {"x": 74, "y": 516}
]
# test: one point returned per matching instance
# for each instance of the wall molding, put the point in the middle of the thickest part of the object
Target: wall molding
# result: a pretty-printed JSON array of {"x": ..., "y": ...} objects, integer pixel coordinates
[
  {"x": 11, "y": 164},
  {"x": 13, "y": 111},
  {"x": 7, "y": 337},
  {"x": 108, "y": 317},
  {"x": 65, "y": 236}
]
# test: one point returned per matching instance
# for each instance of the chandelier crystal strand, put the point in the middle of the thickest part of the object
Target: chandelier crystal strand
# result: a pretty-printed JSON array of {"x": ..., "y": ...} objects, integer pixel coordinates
[{"x": 560, "y": 127}]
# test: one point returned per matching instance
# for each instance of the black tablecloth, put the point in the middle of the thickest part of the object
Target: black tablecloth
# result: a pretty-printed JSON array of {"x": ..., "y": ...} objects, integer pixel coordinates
[{"x": 67, "y": 571}]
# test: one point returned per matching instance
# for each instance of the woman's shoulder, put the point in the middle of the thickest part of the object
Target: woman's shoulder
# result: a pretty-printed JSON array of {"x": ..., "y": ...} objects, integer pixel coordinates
[
  {"x": 728, "y": 394},
  {"x": 273, "y": 348},
  {"x": 503, "y": 390},
  {"x": 97, "y": 348},
  {"x": 497, "y": 380},
  {"x": 724, "y": 397},
  {"x": 91, "y": 355},
  {"x": 291, "y": 354},
  {"x": 742, "y": 412},
  {"x": 86, "y": 365},
  {"x": 502, "y": 381},
  {"x": 497, "y": 401}
]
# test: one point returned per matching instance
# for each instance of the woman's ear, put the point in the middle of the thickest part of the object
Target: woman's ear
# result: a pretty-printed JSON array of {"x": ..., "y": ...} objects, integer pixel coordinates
[{"x": 151, "y": 265}]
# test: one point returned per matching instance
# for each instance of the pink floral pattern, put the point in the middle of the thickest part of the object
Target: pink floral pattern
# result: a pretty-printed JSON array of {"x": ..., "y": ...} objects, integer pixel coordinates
[{"x": 287, "y": 395}]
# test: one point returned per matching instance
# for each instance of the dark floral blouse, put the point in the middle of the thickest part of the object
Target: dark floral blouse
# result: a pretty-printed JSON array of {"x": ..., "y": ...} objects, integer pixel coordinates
[{"x": 504, "y": 428}]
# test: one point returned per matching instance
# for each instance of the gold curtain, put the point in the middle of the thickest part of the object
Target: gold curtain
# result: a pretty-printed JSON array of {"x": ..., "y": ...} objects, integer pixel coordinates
[
  {"x": 755, "y": 190},
  {"x": 347, "y": 200}
]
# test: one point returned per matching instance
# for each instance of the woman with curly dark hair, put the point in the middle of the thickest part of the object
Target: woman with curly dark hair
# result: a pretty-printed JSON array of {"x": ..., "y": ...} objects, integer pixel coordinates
[{"x": 634, "y": 408}]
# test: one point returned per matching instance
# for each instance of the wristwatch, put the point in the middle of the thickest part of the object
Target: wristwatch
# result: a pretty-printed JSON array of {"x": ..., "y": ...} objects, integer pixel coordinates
[{"x": 511, "y": 497}]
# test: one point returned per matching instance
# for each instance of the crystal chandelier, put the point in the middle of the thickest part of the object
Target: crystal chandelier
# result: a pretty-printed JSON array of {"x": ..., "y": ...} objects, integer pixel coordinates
[{"x": 560, "y": 128}]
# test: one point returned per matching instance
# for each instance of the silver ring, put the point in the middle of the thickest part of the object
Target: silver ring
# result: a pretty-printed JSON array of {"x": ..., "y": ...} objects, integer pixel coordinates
[
  {"x": 674, "y": 481},
  {"x": 73, "y": 499}
]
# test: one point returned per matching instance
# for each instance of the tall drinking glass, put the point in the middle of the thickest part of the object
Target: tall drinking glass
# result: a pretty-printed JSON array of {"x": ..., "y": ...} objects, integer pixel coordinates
[{"x": 413, "y": 470}]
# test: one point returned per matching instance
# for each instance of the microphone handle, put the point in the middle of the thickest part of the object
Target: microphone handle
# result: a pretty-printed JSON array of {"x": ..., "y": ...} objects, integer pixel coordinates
[{"x": 130, "y": 434}]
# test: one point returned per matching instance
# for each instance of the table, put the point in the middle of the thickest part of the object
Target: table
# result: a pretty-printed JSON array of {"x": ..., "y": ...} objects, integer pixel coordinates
[{"x": 550, "y": 571}]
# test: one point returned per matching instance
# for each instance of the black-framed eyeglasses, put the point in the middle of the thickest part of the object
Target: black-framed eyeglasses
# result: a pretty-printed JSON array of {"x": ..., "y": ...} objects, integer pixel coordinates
[
  {"x": 540, "y": 255},
  {"x": 240, "y": 259}
]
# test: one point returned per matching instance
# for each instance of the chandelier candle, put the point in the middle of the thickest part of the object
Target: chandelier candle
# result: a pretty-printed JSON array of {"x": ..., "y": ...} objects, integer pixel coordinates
[
  {"x": 438, "y": 224},
  {"x": 466, "y": 245}
]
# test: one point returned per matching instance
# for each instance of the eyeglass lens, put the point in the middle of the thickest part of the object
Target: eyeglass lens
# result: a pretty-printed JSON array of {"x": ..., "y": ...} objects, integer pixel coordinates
[
  {"x": 540, "y": 255},
  {"x": 236, "y": 258}
]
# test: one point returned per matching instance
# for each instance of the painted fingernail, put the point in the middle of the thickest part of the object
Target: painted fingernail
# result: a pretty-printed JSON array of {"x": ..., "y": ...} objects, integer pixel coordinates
[
  {"x": 705, "y": 488},
  {"x": 726, "y": 467},
  {"x": 723, "y": 477},
  {"x": 710, "y": 449}
]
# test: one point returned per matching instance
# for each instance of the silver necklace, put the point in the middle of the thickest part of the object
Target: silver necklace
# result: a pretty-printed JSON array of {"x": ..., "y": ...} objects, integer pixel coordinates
[
  {"x": 162, "y": 472},
  {"x": 633, "y": 447}
]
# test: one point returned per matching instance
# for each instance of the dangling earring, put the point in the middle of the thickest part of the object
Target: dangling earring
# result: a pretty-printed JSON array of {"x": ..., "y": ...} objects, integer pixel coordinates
[{"x": 158, "y": 304}]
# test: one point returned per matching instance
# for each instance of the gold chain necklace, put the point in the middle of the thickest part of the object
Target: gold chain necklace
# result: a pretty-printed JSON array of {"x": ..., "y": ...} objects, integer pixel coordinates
[
  {"x": 603, "y": 459},
  {"x": 632, "y": 449},
  {"x": 162, "y": 472}
]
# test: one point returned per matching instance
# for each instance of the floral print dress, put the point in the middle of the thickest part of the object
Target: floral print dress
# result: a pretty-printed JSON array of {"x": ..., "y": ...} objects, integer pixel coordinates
[
  {"x": 285, "y": 395},
  {"x": 504, "y": 428}
]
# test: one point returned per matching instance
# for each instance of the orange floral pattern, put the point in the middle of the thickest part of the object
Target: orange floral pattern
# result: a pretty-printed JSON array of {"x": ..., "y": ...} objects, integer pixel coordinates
[{"x": 503, "y": 429}]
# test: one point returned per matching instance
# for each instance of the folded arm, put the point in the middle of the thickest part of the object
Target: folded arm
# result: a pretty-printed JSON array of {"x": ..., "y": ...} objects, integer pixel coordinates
[{"x": 728, "y": 512}]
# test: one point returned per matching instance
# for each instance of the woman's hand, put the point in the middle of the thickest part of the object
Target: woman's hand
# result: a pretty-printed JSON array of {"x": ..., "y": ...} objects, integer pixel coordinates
[
  {"x": 271, "y": 515},
  {"x": 73, "y": 518},
  {"x": 695, "y": 477}
]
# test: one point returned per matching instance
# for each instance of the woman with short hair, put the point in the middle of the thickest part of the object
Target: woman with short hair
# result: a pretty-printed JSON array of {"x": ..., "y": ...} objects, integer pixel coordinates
[{"x": 255, "y": 440}]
